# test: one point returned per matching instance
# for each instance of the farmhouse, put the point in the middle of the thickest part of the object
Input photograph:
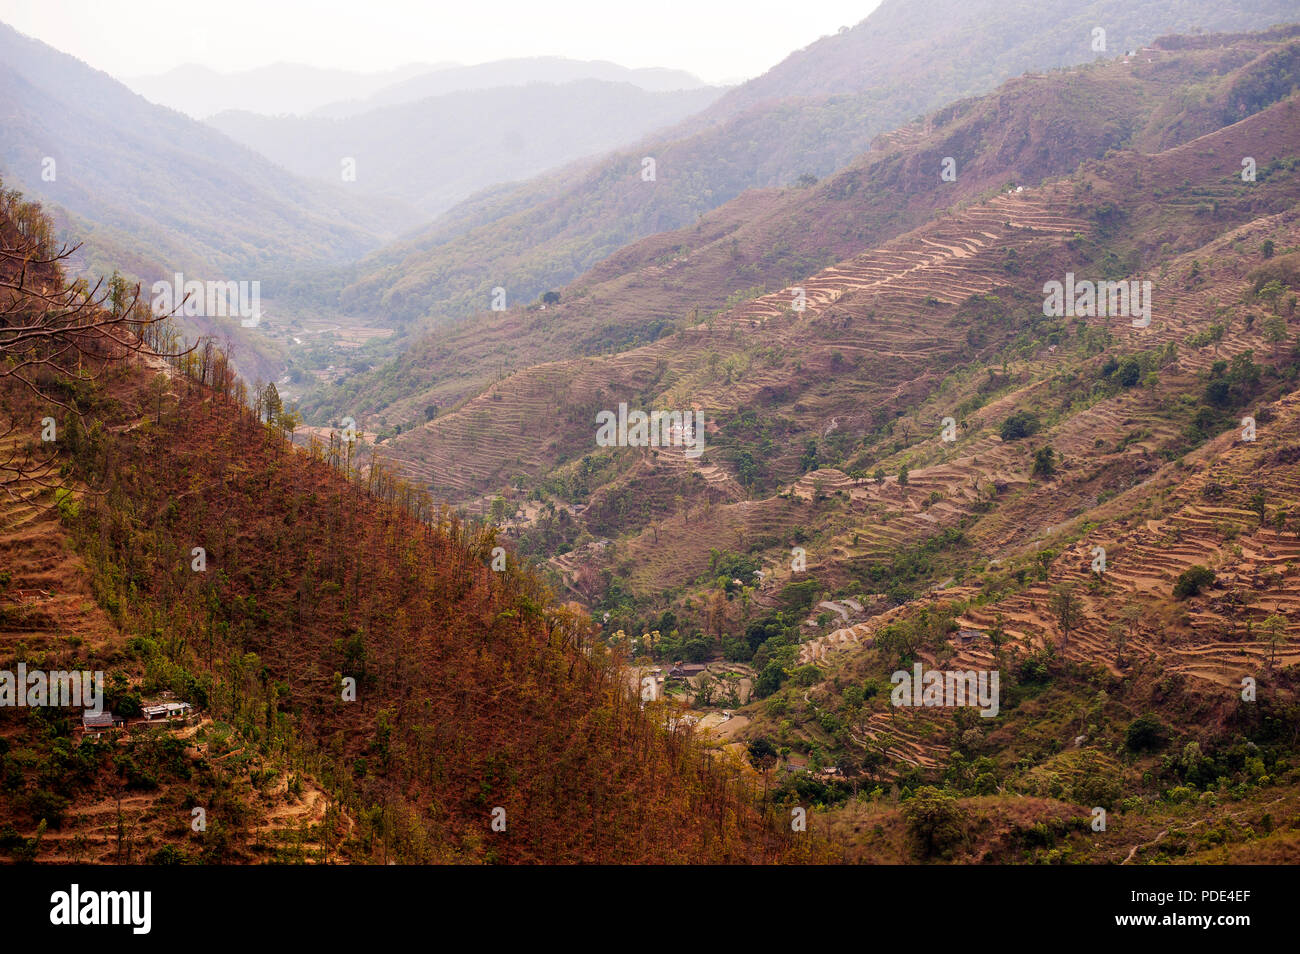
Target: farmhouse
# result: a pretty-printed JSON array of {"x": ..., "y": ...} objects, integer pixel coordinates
[
  {"x": 685, "y": 670},
  {"x": 166, "y": 710},
  {"x": 99, "y": 721}
]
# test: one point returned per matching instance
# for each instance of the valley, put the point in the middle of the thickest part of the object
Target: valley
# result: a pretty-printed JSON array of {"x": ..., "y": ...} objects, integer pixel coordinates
[{"x": 601, "y": 472}]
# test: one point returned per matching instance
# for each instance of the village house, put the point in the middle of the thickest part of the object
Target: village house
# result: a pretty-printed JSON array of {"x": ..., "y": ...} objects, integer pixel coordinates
[
  {"x": 685, "y": 671},
  {"x": 99, "y": 721},
  {"x": 166, "y": 710}
]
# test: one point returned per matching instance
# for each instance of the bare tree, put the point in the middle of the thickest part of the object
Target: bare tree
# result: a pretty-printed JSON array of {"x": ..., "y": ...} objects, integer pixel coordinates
[{"x": 55, "y": 334}]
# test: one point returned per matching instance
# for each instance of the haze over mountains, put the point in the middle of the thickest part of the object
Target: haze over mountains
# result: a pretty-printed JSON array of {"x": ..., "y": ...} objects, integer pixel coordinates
[
  {"x": 449, "y": 131},
  {"x": 151, "y": 193},
  {"x": 298, "y": 90},
  {"x": 433, "y": 152},
  {"x": 292, "y": 88},
  {"x": 523, "y": 71},
  {"x": 164, "y": 191}
]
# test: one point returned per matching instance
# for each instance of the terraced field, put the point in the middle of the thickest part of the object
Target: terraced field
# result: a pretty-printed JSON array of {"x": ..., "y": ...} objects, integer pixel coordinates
[
  {"x": 46, "y": 604},
  {"x": 1213, "y": 638},
  {"x": 538, "y": 417},
  {"x": 871, "y": 352}
]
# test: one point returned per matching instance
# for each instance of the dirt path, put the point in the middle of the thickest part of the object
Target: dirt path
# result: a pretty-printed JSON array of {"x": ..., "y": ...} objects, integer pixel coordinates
[{"x": 1136, "y": 848}]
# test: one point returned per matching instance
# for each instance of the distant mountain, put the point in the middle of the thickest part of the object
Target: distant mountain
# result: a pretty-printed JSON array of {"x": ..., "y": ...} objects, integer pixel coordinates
[
  {"x": 437, "y": 151},
  {"x": 167, "y": 189},
  {"x": 1026, "y": 131},
  {"x": 512, "y": 72},
  {"x": 977, "y": 43},
  {"x": 811, "y": 114},
  {"x": 293, "y": 88}
]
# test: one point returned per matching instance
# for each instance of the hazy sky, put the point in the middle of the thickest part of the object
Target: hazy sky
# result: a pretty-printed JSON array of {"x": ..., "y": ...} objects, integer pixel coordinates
[{"x": 715, "y": 39}]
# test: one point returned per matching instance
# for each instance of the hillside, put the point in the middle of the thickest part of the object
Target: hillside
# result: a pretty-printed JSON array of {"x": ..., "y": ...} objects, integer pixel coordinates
[
  {"x": 757, "y": 350},
  {"x": 471, "y": 691},
  {"x": 1138, "y": 706},
  {"x": 984, "y": 52}
]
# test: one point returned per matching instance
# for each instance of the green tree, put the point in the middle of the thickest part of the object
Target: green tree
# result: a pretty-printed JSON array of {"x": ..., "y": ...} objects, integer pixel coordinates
[
  {"x": 1129, "y": 373},
  {"x": 769, "y": 680},
  {"x": 1044, "y": 462},
  {"x": 1144, "y": 733},
  {"x": 1192, "y": 580},
  {"x": 1018, "y": 425},
  {"x": 1119, "y": 637},
  {"x": 808, "y": 461},
  {"x": 271, "y": 403},
  {"x": 288, "y": 421},
  {"x": 1275, "y": 627},
  {"x": 936, "y": 823},
  {"x": 705, "y": 688},
  {"x": 1275, "y": 332},
  {"x": 1259, "y": 504},
  {"x": 1271, "y": 292},
  {"x": 762, "y": 753},
  {"x": 1067, "y": 609},
  {"x": 998, "y": 635}
]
